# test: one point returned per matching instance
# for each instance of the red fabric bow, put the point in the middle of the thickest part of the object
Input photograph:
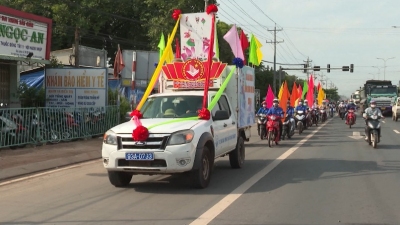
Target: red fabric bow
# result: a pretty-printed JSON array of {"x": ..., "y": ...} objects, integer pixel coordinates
[
  {"x": 136, "y": 113},
  {"x": 176, "y": 13},
  {"x": 212, "y": 9},
  {"x": 204, "y": 114},
  {"x": 141, "y": 133}
]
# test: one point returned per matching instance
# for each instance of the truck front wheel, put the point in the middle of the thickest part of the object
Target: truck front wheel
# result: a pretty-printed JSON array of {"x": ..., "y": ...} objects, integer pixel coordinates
[
  {"x": 237, "y": 156},
  {"x": 201, "y": 176},
  {"x": 119, "y": 179}
]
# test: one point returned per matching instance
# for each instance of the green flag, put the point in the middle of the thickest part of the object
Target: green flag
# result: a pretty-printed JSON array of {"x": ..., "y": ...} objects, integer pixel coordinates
[
  {"x": 305, "y": 89},
  {"x": 253, "y": 51},
  {"x": 161, "y": 45}
]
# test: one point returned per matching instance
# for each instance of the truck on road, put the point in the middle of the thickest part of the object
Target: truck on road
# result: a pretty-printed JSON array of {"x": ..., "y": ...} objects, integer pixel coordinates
[
  {"x": 381, "y": 91},
  {"x": 356, "y": 97},
  {"x": 175, "y": 145}
]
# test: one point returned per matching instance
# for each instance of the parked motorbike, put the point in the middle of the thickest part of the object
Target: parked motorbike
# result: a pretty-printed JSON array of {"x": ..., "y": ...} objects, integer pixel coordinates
[
  {"x": 374, "y": 130},
  {"x": 350, "y": 118},
  {"x": 300, "y": 119},
  {"x": 288, "y": 127},
  {"x": 261, "y": 125},
  {"x": 273, "y": 129}
]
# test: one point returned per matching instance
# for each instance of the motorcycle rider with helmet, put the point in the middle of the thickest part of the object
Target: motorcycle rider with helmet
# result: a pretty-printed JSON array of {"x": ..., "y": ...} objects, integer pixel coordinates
[
  {"x": 263, "y": 109},
  {"x": 300, "y": 107},
  {"x": 349, "y": 106},
  {"x": 277, "y": 111},
  {"x": 369, "y": 112}
]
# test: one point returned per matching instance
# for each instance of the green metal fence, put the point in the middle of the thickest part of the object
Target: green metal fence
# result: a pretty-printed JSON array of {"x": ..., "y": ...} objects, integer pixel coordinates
[{"x": 22, "y": 126}]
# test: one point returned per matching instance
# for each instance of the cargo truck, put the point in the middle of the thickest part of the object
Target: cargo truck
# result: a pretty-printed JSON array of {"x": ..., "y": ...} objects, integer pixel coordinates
[{"x": 380, "y": 91}]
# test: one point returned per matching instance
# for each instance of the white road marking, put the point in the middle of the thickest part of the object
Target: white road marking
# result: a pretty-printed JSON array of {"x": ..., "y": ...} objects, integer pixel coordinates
[
  {"x": 224, "y": 203},
  {"x": 396, "y": 131},
  {"x": 356, "y": 135},
  {"x": 48, "y": 172},
  {"x": 383, "y": 121}
]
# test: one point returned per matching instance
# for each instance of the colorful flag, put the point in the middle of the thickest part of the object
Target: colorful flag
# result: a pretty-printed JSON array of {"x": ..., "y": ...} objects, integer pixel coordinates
[
  {"x": 305, "y": 89},
  {"x": 299, "y": 95},
  {"x": 244, "y": 43},
  {"x": 294, "y": 96},
  {"x": 310, "y": 92},
  {"x": 270, "y": 97},
  {"x": 319, "y": 86},
  {"x": 259, "y": 52},
  {"x": 321, "y": 96},
  {"x": 232, "y": 37},
  {"x": 161, "y": 45},
  {"x": 170, "y": 55},
  {"x": 118, "y": 63},
  {"x": 280, "y": 91},
  {"x": 253, "y": 51},
  {"x": 284, "y": 98}
]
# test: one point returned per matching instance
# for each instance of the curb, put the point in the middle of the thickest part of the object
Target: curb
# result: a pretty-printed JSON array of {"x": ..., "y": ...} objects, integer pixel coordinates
[{"x": 17, "y": 171}]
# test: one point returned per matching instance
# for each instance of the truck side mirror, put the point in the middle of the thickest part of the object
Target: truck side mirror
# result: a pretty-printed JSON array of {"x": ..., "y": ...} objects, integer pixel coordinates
[{"x": 221, "y": 115}]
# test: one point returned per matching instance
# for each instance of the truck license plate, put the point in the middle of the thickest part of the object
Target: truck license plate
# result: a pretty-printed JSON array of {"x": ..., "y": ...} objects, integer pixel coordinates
[{"x": 145, "y": 156}]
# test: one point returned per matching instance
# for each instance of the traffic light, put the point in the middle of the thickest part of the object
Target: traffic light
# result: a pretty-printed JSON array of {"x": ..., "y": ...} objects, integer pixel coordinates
[
  {"x": 345, "y": 68},
  {"x": 317, "y": 68},
  {"x": 351, "y": 68},
  {"x": 328, "y": 68},
  {"x": 305, "y": 68}
]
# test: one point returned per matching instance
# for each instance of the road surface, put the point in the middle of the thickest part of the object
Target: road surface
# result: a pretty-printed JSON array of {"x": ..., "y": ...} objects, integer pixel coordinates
[{"x": 328, "y": 175}]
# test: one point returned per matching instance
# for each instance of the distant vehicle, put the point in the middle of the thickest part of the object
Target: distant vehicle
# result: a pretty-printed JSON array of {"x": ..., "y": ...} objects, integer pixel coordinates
[
  {"x": 381, "y": 91},
  {"x": 356, "y": 97}
]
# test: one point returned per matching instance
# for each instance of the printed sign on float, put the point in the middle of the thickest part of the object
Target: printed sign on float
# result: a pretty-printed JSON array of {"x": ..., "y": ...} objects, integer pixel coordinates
[{"x": 69, "y": 87}]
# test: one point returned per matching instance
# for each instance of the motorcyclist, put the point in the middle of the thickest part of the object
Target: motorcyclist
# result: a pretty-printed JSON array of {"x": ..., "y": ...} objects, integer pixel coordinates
[
  {"x": 277, "y": 111},
  {"x": 372, "y": 110},
  {"x": 289, "y": 110},
  {"x": 263, "y": 109},
  {"x": 352, "y": 106},
  {"x": 300, "y": 107},
  {"x": 306, "y": 104}
]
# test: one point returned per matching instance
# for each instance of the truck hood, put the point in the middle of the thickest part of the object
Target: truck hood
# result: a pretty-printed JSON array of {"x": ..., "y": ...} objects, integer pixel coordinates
[{"x": 129, "y": 126}]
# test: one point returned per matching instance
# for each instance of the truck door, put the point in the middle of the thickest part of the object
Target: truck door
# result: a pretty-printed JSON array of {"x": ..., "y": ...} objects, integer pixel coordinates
[
  {"x": 229, "y": 126},
  {"x": 218, "y": 127}
]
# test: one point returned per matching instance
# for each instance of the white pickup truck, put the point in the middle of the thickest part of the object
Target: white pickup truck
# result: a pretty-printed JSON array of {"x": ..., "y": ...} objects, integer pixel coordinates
[
  {"x": 396, "y": 109},
  {"x": 187, "y": 146}
]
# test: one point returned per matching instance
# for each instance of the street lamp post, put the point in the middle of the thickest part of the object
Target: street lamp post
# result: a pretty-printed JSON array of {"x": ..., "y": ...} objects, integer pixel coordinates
[
  {"x": 384, "y": 67},
  {"x": 379, "y": 71}
]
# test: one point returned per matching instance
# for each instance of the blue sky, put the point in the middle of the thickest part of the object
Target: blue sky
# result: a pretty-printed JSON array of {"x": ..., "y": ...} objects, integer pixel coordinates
[{"x": 338, "y": 32}]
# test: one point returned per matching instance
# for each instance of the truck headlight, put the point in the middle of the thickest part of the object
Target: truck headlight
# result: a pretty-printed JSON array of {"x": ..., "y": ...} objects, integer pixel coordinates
[
  {"x": 181, "y": 137},
  {"x": 110, "y": 138}
]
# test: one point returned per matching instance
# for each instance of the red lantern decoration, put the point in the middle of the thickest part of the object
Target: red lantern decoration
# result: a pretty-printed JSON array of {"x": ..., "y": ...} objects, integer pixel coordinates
[
  {"x": 212, "y": 9},
  {"x": 204, "y": 114},
  {"x": 176, "y": 13},
  {"x": 141, "y": 133},
  {"x": 136, "y": 113}
]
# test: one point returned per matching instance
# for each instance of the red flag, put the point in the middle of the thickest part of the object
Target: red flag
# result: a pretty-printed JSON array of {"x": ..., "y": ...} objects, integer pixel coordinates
[
  {"x": 177, "y": 49},
  {"x": 244, "y": 42},
  {"x": 118, "y": 63},
  {"x": 319, "y": 85}
]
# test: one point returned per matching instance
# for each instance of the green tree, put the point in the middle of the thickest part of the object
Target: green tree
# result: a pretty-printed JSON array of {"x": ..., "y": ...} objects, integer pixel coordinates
[{"x": 332, "y": 93}]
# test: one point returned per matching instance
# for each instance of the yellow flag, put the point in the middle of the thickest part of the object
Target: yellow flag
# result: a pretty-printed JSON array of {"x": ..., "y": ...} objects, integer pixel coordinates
[
  {"x": 170, "y": 55},
  {"x": 259, "y": 53},
  {"x": 321, "y": 96},
  {"x": 281, "y": 91}
]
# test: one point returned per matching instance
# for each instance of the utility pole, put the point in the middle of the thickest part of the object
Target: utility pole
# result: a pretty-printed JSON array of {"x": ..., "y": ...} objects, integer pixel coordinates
[
  {"x": 274, "y": 42},
  {"x": 77, "y": 46},
  {"x": 308, "y": 64},
  {"x": 205, "y": 5}
]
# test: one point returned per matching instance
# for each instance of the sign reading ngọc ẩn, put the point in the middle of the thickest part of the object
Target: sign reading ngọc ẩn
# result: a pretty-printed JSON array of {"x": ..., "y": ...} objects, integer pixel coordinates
[
  {"x": 21, "y": 35},
  {"x": 66, "y": 87}
]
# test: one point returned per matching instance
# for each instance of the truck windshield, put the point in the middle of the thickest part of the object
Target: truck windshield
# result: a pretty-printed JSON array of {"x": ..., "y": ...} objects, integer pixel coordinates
[
  {"x": 172, "y": 106},
  {"x": 388, "y": 91},
  {"x": 356, "y": 96}
]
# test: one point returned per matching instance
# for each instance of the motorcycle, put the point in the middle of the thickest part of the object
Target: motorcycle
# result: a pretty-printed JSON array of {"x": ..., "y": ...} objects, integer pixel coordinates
[
  {"x": 261, "y": 125},
  {"x": 331, "y": 111},
  {"x": 323, "y": 115},
  {"x": 314, "y": 117},
  {"x": 374, "y": 130},
  {"x": 288, "y": 127},
  {"x": 350, "y": 118},
  {"x": 342, "y": 111},
  {"x": 273, "y": 129},
  {"x": 300, "y": 119}
]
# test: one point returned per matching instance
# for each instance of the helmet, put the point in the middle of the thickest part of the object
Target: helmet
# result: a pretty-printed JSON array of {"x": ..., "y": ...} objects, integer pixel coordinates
[
  {"x": 373, "y": 104},
  {"x": 305, "y": 101},
  {"x": 275, "y": 102}
]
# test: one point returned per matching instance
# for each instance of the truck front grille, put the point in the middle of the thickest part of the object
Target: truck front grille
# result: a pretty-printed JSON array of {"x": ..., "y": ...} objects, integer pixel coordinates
[
  {"x": 383, "y": 103},
  {"x": 155, "y": 141},
  {"x": 152, "y": 164}
]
